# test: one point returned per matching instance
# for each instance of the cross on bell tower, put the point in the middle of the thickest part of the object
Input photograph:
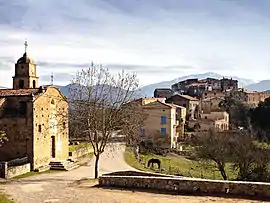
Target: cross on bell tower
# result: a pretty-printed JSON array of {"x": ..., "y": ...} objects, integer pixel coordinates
[
  {"x": 25, "y": 72},
  {"x": 25, "y": 46}
]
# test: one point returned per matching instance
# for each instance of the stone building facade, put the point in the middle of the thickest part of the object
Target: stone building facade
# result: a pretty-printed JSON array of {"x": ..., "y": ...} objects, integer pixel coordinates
[
  {"x": 214, "y": 120},
  {"x": 191, "y": 104},
  {"x": 254, "y": 98},
  {"x": 34, "y": 119},
  {"x": 164, "y": 120},
  {"x": 163, "y": 93},
  {"x": 197, "y": 88}
]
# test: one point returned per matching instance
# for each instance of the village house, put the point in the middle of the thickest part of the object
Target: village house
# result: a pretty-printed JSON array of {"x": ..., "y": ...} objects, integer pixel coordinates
[
  {"x": 164, "y": 119},
  {"x": 197, "y": 88},
  {"x": 163, "y": 93},
  {"x": 254, "y": 98},
  {"x": 209, "y": 105},
  {"x": 191, "y": 104},
  {"x": 214, "y": 120},
  {"x": 34, "y": 118}
]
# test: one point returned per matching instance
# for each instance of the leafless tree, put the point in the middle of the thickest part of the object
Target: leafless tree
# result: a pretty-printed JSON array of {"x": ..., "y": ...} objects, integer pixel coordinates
[
  {"x": 99, "y": 107},
  {"x": 214, "y": 146}
]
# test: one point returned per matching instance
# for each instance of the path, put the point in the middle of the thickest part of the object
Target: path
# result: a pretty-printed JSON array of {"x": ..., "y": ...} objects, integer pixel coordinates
[
  {"x": 60, "y": 187},
  {"x": 55, "y": 187}
]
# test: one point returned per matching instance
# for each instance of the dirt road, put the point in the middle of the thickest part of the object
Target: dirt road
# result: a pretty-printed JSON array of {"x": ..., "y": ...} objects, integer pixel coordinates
[
  {"x": 55, "y": 187},
  {"x": 60, "y": 187}
]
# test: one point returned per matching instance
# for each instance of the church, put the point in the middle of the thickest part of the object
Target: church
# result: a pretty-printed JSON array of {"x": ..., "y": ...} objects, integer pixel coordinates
[{"x": 35, "y": 118}]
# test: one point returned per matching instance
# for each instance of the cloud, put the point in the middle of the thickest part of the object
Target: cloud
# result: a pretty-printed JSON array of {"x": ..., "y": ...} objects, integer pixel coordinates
[{"x": 160, "y": 40}]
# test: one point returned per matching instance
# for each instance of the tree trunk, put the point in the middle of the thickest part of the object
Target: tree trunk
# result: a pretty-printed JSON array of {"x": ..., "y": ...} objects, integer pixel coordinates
[
  {"x": 222, "y": 171},
  {"x": 96, "y": 166}
]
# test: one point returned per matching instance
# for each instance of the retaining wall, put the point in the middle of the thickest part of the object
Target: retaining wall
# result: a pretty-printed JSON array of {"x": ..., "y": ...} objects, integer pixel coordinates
[
  {"x": 13, "y": 171},
  {"x": 80, "y": 152},
  {"x": 186, "y": 185}
]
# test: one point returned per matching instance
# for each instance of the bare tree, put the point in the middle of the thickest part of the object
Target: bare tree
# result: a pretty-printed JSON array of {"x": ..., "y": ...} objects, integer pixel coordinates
[
  {"x": 99, "y": 106},
  {"x": 214, "y": 146}
]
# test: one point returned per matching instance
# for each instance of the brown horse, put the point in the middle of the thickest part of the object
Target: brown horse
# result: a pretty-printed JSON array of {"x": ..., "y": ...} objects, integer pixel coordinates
[{"x": 154, "y": 161}]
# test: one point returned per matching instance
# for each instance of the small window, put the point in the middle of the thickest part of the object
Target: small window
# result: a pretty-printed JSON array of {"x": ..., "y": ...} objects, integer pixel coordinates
[
  {"x": 34, "y": 84},
  {"x": 163, "y": 119},
  {"x": 52, "y": 102},
  {"x": 22, "y": 67},
  {"x": 39, "y": 128},
  {"x": 64, "y": 125},
  {"x": 163, "y": 131},
  {"x": 205, "y": 117}
]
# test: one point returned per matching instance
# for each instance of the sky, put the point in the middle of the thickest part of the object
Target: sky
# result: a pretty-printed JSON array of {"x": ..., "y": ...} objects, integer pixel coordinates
[{"x": 158, "y": 39}]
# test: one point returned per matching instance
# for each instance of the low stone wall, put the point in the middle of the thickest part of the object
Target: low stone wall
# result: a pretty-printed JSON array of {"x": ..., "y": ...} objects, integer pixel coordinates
[
  {"x": 137, "y": 173},
  {"x": 14, "y": 171},
  {"x": 80, "y": 152},
  {"x": 187, "y": 185}
]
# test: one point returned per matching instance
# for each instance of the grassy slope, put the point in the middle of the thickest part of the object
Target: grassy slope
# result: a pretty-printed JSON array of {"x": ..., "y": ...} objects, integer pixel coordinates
[
  {"x": 5, "y": 199},
  {"x": 72, "y": 148},
  {"x": 175, "y": 164}
]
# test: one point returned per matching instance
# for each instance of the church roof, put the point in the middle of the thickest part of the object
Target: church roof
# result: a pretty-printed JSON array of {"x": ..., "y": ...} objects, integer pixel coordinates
[
  {"x": 25, "y": 59},
  {"x": 18, "y": 92}
]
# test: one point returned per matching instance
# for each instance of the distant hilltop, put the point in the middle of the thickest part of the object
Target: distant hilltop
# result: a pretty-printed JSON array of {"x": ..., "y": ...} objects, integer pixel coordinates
[{"x": 148, "y": 90}]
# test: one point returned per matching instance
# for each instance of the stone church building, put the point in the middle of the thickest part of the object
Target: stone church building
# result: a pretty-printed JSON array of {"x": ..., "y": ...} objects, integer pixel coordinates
[{"x": 34, "y": 118}]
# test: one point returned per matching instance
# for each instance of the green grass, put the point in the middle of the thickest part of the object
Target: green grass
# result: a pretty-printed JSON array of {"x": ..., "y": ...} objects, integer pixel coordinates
[
  {"x": 33, "y": 173},
  {"x": 73, "y": 148},
  {"x": 177, "y": 165},
  {"x": 5, "y": 199}
]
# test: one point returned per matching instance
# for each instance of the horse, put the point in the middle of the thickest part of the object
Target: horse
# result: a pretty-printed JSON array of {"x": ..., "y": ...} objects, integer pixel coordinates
[{"x": 154, "y": 161}]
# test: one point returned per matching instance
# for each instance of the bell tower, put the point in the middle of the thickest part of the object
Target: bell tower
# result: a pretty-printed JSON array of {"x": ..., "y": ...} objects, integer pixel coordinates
[{"x": 25, "y": 72}]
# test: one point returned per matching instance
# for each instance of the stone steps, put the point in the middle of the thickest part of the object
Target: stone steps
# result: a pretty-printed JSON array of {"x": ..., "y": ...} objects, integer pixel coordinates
[{"x": 63, "y": 165}]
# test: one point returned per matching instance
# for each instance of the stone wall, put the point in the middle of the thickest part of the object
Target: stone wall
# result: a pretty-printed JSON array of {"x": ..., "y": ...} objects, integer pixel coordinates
[
  {"x": 186, "y": 185},
  {"x": 13, "y": 171},
  {"x": 18, "y": 127},
  {"x": 50, "y": 126},
  {"x": 80, "y": 152},
  {"x": 18, "y": 170}
]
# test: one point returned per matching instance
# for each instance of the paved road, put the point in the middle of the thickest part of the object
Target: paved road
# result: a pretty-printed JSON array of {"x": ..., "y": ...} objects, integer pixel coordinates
[{"x": 57, "y": 187}]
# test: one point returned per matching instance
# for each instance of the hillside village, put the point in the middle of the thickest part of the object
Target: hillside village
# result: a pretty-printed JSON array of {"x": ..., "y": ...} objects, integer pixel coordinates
[
  {"x": 196, "y": 104},
  {"x": 40, "y": 127}
]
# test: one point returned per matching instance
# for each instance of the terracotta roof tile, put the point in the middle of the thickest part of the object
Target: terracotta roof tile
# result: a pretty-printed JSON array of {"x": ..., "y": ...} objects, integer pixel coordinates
[
  {"x": 18, "y": 92},
  {"x": 187, "y": 97}
]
